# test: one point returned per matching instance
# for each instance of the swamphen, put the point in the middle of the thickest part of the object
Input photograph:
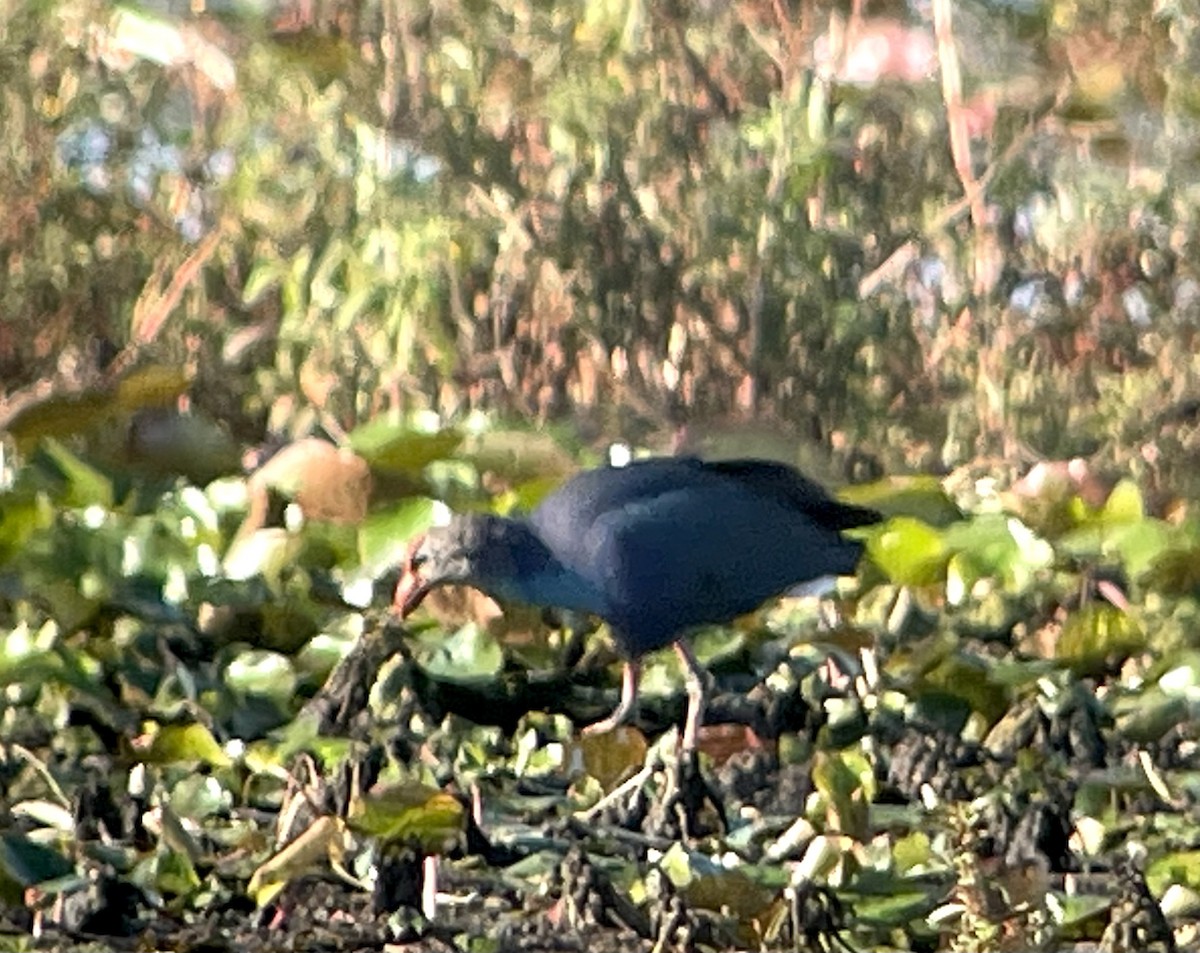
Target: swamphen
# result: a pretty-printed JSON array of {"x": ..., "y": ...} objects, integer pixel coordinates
[{"x": 653, "y": 548}]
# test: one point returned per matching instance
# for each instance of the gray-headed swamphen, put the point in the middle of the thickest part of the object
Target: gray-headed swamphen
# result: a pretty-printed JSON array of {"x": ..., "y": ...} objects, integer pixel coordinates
[{"x": 653, "y": 548}]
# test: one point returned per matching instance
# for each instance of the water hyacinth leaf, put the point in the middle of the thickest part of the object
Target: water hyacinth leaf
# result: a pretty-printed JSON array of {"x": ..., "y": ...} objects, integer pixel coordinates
[
  {"x": 613, "y": 755},
  {"x": 27, "y": 862},
  {"x": 383, "y": 537},
  {"x": 58, "y": 417},
  {"x": 898, "y": 908},
  {"x": 1140, "y": 545},
  {"x": 258, "y": 672},
  {"x": 410, "y": 812},
  {"x": 967, "y": 679},
  {"x": 85, "y": 486},
  {"x": 909, "y": 551},
  {"x": 321, "y": 842},
  {"x": 186, "y": 743},
  {"x": 1097, "y": 636},
  {"x": 265, "y": 552},
  {"x": 709, "y": 886},
  {"x": 21, "y": 515},
  {"x": 1175, "y": 573},
  {"x": 1178, "y": 868},
  {"x": 471, "y": 654},
  {"x": 846, "y": 782},
  {"x": 1144, "y": 719},
  {"x": 995, "y": 544},
  {"x": 914, "y": 850},
  {"x": 521, "y": 457},
  {"x": 1082, "y": 912},
  {"x": 397, "y": 448},
  {"x": 915, "y": 497},
  {"x": 1124, "y": 505}
]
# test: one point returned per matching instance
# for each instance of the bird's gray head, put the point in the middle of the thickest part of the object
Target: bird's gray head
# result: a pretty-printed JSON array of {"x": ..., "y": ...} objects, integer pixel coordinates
[{"x": 472, "y": 549}]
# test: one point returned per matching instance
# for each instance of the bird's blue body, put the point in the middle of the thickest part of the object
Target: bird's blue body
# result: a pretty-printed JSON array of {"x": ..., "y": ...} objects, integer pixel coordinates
[{"x": 666, "y": 544}]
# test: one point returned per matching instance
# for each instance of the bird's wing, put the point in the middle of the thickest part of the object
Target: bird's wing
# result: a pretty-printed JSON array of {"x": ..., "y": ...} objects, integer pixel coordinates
[
  {"x": 593, "y": 493},
  {"x": 589, "y": 495},
  {"x": 696, "y": 554},
  {"x": 791, "y": 488}
]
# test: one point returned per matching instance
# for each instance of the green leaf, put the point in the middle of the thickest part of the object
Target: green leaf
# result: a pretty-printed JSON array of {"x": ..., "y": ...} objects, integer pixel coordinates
[
  {"x": 1124, "y": 505},
  {"x": 909, "y": 551},
  {"x": 520, "y": 457},
  {"x": 469, "y": 655},
  {"x": 383, "y": 537},
  {"x": 1181, "y": 867},
  {"x": 28, "y": 862},
  {"x": 258, "y": 672},
  {"x": 995, "y": 544},
  {"x": 846, "y": 782},
  {"x": 410, "y": 811},
  {"x": 968, "y": 679},
  {"x": 189, "y": 743},
  {"x": 1097, "y": 636},
  {"x": 308, "y": 852},
  {"x": 917, "y": 497},
  {"x": 86, "y": 486},
  {"x": 397, "y": 448}
]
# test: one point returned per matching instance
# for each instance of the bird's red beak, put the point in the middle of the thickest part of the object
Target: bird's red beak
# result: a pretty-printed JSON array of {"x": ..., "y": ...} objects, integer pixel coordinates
[{"x": 411, "y": 589}]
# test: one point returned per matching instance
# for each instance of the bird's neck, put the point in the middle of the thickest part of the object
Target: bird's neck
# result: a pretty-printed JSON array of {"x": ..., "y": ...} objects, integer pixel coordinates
[{"x": 541, "y": 580}]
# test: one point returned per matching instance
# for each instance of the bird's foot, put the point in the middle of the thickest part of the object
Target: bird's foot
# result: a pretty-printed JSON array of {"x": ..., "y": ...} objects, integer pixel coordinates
[
  {"x": 688, "y": 807},
  {"x": 667, "y": 800},
  {"x": 625, "y": 706}
]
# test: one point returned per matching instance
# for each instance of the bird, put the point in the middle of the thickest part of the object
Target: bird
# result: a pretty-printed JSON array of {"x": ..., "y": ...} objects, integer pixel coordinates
[{"x": 655, "y": 548}]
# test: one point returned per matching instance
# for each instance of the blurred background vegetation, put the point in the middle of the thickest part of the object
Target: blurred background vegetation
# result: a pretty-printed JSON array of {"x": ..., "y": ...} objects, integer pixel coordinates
[{"x": 922, "y": 235}]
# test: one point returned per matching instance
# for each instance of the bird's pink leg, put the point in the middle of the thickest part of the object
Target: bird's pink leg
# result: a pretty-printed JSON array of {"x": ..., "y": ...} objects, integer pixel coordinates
[
  {"x": 629, "y": 690},
  {"x": 697, "y": 681}
]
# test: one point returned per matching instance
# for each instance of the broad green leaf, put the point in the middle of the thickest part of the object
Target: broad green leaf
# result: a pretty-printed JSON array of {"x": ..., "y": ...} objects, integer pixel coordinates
[
  {"x": 1097, "y": 636},
  {"x": 383, "y": 538},
  {"x": 996, "y": 544},
  {"x": 910, "y": 552},
  {"x": 411, "y": 811},
  {"x": 86, "y": 486},
  {"x": 917, "y": 497},
  {"x": 258, "y": 672},
  {"x": 21, "y": 515},
  {"x": 1124, "y": 505},
  {"x": 150, "y": 387},
  {"x": 58, "y": 417},
  {"x": 613, "y": 755},
  {"x": 846, "y": 782},
  {"x": 390, "y": 447},
  {"x": 28, "y": 862},
  {"x": 469, "y": 655},
  {"x": 966, "y": 678},
  {"x": 1181, "y": 867},
  {"x": 520, "y": 457},
  {"x": 186, "y": 743},
  {"x": 308, "y": 853}
]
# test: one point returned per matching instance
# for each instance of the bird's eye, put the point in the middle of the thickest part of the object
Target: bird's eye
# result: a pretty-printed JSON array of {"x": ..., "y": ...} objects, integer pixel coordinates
[{"x": 417, "y": 561}]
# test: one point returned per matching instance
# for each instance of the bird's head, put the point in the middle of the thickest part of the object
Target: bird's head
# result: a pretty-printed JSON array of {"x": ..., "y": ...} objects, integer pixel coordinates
[{"x": 472, "y": 549}]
